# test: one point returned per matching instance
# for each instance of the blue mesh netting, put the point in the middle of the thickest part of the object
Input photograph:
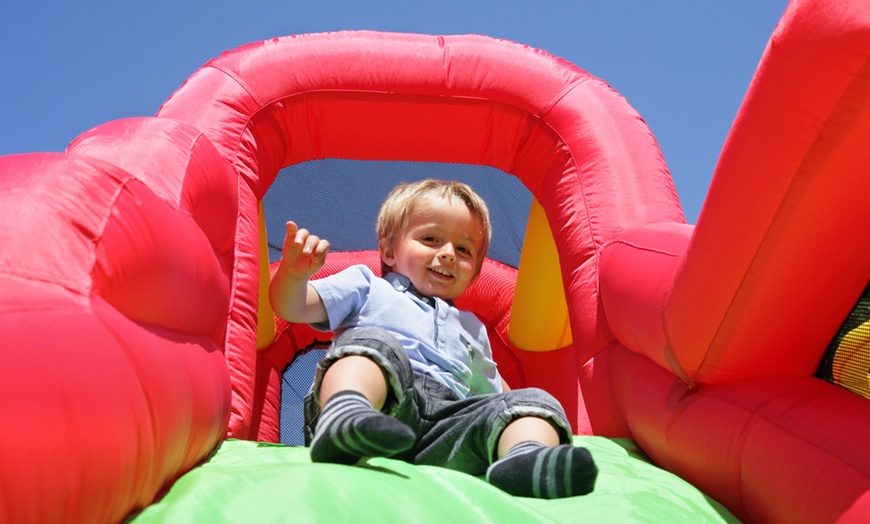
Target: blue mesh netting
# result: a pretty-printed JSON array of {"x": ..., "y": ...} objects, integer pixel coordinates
[
  {"x": 295, "y": 381},
  {"x": 339, "y": 199}
]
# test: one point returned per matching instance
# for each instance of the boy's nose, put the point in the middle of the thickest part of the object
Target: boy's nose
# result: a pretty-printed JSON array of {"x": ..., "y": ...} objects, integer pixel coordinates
[{"x": 447, "y": 252}]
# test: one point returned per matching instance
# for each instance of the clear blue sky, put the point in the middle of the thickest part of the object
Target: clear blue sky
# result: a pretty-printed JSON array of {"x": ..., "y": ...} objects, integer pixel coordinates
[{"x": 683, "y": 64}]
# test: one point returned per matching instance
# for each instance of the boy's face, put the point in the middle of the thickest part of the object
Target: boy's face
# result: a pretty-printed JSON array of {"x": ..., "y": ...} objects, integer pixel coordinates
[{"x": 439, "y": 249}]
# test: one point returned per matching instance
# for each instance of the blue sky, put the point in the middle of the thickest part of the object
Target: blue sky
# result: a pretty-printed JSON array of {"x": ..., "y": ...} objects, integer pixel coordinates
[{"x": 683, "y": 64}]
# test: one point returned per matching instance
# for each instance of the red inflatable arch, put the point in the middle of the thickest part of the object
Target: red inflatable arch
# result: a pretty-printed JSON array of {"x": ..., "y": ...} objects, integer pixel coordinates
[
  {"x": 135, "y": 337},
  {"x": 561, "y": 131}
]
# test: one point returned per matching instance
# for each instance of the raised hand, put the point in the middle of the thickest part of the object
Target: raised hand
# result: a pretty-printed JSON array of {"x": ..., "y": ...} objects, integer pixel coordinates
[{"x": 302, "y": 253}]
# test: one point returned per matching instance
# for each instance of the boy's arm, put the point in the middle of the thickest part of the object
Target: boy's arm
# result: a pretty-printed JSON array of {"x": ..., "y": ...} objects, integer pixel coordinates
[{"x": 289, "y": 293}]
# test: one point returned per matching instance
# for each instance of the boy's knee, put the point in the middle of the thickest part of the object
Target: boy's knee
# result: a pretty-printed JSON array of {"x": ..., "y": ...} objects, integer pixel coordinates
[
  {"x": 371, "y": 338},
  {"x": 534, "y": 397},
  {"x": 380, "y": 346},
  {"x": 375, "y": 343},
  {"x": 536, "y": 402}
]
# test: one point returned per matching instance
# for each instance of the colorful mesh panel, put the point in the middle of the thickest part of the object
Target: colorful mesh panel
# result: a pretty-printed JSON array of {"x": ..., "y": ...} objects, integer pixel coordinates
[{"x": 847, "y": 361}]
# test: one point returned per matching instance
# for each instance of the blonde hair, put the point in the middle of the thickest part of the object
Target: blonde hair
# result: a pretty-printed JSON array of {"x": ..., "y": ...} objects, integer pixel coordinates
[{"x": 398, "y": 207}]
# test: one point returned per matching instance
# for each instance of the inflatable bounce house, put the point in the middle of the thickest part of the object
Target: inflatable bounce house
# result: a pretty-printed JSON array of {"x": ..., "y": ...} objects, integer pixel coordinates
[{"x": 718, "y": 372}]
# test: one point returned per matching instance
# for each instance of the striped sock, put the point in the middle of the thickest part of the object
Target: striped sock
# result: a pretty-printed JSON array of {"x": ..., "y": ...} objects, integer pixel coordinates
[
  {"x": 531, "y": 469},
  {"x": 349, "y": 428}
]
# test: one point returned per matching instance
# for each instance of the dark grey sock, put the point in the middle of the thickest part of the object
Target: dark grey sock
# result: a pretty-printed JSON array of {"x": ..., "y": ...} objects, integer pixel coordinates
[
  {"x": 349, "y": 428},
  {"x": 531, "y": 469}
]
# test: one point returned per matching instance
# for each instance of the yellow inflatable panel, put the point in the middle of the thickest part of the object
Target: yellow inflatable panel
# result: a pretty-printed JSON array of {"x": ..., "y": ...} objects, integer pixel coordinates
[
  {"x": 265, "y": 315},
  {"x": 539, "y": 314}
]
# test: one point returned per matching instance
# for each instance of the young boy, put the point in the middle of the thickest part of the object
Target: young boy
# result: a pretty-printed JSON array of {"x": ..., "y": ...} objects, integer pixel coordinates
[{"x": 409, "y": 375}]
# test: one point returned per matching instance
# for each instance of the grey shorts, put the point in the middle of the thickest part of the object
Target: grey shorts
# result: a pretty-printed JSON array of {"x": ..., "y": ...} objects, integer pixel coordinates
[{"x": 452, "y": 432}]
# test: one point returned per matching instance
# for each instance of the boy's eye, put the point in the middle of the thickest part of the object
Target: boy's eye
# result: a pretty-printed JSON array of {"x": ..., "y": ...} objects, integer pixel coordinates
[{"x": 465, "y": 251}]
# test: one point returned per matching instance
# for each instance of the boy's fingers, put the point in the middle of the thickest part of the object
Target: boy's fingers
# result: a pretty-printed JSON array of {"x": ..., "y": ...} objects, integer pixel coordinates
[
  {"x": 292, "y": 228},
  {"x": 310, "y": 243},
  {"x": 291, "y": 236},
  {"x": 300, "y": 244},
  {"x": 301, "y": 236},
  {"x": 320, "y": 250}
]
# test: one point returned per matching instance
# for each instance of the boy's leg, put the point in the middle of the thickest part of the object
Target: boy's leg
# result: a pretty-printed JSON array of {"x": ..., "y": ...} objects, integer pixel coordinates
[
  {"x": 520, "y": 439},
  {"x": 527, "y": 428},
  {"x": 351, "y": 425},
  {"x": 533, "y": 463},
  {"x": 352, "y": 391},
  {"x": 357, "y": 373}
]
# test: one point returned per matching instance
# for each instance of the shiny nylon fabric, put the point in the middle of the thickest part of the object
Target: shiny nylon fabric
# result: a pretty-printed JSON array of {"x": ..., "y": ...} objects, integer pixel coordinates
[{"x": 628, "y": 489}]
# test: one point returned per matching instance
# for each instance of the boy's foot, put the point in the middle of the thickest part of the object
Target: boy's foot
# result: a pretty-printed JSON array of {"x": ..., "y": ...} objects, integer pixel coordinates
[
  {"x": 531, "y": 469},
  {"x": 349, "y": 428}
]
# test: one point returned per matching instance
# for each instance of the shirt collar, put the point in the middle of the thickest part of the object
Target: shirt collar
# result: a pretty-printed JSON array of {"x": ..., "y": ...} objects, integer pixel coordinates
[{"x": 403, "y": 284}]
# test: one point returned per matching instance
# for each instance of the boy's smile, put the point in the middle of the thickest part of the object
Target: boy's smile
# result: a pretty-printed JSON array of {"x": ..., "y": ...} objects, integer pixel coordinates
[{"x": 439, "y": 249}]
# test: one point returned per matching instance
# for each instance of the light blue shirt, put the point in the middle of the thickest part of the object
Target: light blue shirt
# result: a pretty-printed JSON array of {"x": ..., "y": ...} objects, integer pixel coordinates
[{"x": 441, "y": 341}]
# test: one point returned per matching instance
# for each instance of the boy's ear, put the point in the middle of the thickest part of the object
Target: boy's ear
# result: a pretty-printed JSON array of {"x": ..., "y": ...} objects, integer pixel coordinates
[{"x": 386, "y": 250}]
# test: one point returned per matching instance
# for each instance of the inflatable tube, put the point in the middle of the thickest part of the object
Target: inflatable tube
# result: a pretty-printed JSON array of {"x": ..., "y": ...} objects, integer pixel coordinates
[
  {"x": 113, "y": 315},
  {"x": 464, "y": 99}
]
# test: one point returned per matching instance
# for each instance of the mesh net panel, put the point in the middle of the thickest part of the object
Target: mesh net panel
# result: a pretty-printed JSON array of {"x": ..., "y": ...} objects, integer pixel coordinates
[
  {"x": 847, "y": 360},
  {"x": 339, "y": 199},
  {"x": 295, "y": 382}
]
